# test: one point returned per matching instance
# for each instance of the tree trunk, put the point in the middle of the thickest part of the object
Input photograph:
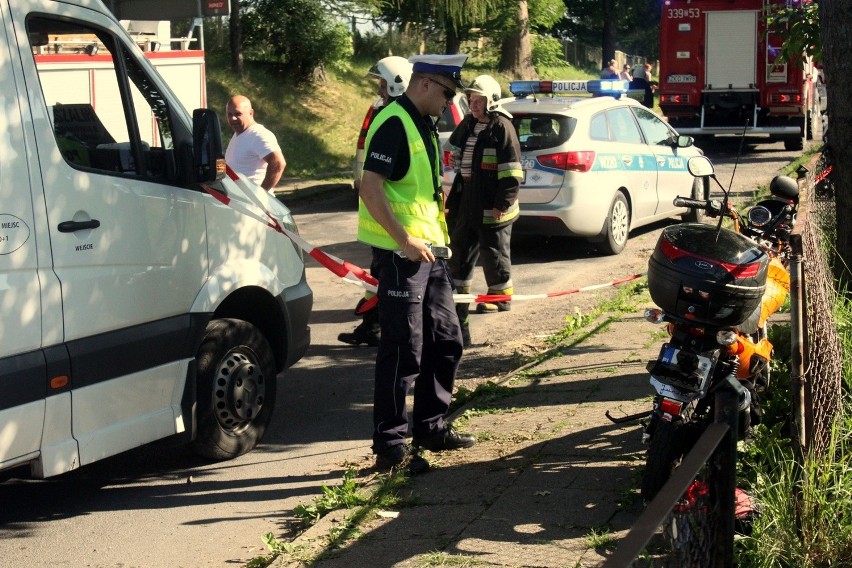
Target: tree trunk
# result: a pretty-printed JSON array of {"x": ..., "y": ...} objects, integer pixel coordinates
[
  {"x": 453, "y": 42},
  {"x": 236, "y": 32},
  {"x": 835, "y": 21},
  {"x": 516, "y": 52},
  {"x": 609, "y": 32}
]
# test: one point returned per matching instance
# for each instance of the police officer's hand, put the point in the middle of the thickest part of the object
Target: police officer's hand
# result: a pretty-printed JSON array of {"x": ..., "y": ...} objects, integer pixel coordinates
[
  {"x": 497, "y": 213},
  {"x": 417, "y": 250}
]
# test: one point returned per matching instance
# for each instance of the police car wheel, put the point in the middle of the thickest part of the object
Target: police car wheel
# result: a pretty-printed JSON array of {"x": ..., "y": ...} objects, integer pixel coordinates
[
  {"x": 700, "y": 190},
  {"x": 236, "y": 383},
  {"x": 617, "y": 226}
]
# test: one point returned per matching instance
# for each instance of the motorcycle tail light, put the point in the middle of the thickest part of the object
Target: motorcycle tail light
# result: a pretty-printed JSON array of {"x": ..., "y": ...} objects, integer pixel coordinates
[
  {"x": 654, "y": 315},
  {"x": 671, "y": 407},
  {"x": 726, "y": 337}
]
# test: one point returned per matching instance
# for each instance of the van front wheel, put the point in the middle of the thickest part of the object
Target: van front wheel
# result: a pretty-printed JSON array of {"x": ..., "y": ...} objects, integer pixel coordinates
[{"x": 236, "y": 389}]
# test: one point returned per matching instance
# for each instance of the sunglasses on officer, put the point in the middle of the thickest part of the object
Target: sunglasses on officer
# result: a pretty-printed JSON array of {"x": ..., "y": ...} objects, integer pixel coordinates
[{"x": 448, "y": 92}]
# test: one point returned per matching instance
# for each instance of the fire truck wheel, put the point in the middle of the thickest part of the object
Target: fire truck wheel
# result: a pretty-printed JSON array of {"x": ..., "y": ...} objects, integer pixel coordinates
[
  {"x": 617, "y": 226},
  {"x": 236, "y": 389},
  {"x": 793, "y": 144}
]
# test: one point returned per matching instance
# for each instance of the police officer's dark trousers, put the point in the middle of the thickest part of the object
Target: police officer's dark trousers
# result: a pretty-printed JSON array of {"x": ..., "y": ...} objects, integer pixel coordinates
[{"x": 420, "y": 343}]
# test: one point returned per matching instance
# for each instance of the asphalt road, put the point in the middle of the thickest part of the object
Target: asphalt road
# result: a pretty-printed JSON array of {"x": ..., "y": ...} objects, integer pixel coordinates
[{"x": 160, "y": 507}]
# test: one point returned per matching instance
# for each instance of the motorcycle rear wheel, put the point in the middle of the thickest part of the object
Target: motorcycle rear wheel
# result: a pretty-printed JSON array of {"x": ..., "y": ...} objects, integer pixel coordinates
[{"x": 665, "y": 451}]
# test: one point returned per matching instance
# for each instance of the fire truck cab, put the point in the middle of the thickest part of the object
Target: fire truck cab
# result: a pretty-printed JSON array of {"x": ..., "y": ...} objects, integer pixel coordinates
[{"x": 720, "y": 73}]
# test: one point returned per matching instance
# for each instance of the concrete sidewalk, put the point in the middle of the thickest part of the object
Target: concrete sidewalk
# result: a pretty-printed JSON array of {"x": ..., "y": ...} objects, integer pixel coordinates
[{"x": 548, "y": 471}]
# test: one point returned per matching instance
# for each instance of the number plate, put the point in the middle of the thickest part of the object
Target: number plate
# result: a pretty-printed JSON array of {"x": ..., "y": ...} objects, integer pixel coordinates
[{"x": 689, "y": 371}]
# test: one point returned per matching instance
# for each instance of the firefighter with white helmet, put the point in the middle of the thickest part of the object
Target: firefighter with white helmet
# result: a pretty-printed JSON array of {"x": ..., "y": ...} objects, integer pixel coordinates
[
  {"x": 483, "y": 202},
  {"x": 394, "y": 73},
  {"x": 489, "y": 88}
]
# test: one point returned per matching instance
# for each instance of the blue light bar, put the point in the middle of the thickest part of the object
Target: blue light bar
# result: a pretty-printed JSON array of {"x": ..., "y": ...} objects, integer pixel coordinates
[{"x": 596, "y": 87}]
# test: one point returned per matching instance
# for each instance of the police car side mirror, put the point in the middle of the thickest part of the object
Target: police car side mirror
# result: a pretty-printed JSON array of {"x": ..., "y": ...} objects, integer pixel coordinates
[
  {"x": 684, "y": 141},
  {"x": 208, "y": 158}
]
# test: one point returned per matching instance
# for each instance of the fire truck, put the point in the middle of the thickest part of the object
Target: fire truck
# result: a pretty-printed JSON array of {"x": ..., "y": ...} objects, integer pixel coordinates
[
  {"x": 78, "y": 67},
  {"x": 720, "y": 73}
]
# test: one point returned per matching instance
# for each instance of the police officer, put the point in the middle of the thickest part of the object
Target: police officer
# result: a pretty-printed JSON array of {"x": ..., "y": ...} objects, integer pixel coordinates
[
  {"x": 393, "y": 73},
  {"x": 400, "y": 214},
  {"x": 483, "y": 202}
]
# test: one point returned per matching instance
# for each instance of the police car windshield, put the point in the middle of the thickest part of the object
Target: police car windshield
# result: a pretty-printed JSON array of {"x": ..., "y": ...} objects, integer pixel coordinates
[
  {"x": 542, "y": 131},
  {"x": 446, "y": 122}
]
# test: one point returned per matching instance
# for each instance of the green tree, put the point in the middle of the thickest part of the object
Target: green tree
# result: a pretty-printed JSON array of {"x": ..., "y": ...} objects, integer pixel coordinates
[
  {"x": 835, "y": 17},
  {"x": 235, "y": 33},
  {"x": 820, "y": 30},
  {"x": 298, "y": 34},
  {"x": 507, "y": 23},
  {"x": 631, "y": 26}
]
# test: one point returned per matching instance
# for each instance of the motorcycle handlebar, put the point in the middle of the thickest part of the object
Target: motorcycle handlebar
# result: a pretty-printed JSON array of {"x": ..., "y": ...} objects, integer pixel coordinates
[
  {"x": 711, "y": 207},
  {"x": 691, "y": 203}
]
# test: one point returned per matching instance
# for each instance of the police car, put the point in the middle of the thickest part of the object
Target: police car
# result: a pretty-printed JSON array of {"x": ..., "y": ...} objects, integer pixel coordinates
[{"x": 596, "y": 165}]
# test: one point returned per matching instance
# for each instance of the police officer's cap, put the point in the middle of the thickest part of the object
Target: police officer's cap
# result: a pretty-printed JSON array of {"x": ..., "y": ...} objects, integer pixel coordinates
[{"x": 449, "y": 65}]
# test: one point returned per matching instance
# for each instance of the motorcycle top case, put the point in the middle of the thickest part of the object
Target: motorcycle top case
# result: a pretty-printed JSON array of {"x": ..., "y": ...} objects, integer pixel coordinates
[{"x": 695, "y": 276}]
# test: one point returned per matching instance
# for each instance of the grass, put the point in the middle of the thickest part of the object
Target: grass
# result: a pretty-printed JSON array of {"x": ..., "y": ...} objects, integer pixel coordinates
[
  {"x": 805, "y": 507},
  {"x": 444, "y": 559},
  {"x": 350, "y": 496},
  {"x": 317, "y": 125}
]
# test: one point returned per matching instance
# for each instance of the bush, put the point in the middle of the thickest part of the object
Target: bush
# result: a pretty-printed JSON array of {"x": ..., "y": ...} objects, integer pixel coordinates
[
  {"x": 297, "y": 34},
  {"x": 547, "y": 51}
]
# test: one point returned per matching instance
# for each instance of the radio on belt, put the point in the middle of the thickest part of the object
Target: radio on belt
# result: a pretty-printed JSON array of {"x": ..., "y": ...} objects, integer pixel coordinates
[{"x": 439, "y": 251}]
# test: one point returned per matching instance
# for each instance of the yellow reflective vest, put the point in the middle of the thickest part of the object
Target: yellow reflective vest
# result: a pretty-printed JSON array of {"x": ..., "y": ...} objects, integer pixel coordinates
[{"x": 412, "y": 199}]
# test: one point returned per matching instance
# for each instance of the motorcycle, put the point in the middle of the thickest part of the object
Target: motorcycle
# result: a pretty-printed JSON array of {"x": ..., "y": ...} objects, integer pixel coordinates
[{"x": 716, "y": 288}]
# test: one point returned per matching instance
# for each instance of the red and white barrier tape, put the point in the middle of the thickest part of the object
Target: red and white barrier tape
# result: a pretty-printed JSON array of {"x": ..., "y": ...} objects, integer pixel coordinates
[
  {"x": 355, "y": 274},
  {"x": 823, "y": 174}
]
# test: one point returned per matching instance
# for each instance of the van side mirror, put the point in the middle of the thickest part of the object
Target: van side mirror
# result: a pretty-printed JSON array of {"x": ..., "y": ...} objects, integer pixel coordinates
[
  {"x": 684, "y": 141},
  {"x": 208, "y": 157}
]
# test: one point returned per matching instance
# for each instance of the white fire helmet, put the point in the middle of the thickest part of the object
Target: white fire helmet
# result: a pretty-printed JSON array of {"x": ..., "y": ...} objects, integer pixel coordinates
[
  {"x": 488, "y": 87},
  {"x": 396, "y": 71}
]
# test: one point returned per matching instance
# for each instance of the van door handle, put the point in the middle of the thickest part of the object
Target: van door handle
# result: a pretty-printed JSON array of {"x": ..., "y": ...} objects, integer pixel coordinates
[{"x": 71, "y": 226}]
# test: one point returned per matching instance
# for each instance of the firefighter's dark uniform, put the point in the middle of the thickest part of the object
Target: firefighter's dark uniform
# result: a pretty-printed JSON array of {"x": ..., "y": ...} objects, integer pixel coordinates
[
  {"x": 420, "y": 336},
  {"x": 493, "y": 184}
]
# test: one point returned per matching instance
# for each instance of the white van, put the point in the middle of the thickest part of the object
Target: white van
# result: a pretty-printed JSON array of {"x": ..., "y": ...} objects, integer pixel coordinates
[{"x": 135, "y": 305}]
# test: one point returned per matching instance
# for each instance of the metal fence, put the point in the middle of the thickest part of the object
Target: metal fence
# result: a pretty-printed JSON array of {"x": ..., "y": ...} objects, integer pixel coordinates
[
  {"x": 691, "y": 521},
  {"x": 818, "y": 358}
]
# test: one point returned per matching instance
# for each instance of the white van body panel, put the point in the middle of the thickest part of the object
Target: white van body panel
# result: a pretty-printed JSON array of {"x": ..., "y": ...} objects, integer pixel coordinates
[
  {"x": 20, "y": 432},
  {"x": 59, "y": 449},
  {"x": 113, "y": 260},
  {"x": 127, "y": 422}
]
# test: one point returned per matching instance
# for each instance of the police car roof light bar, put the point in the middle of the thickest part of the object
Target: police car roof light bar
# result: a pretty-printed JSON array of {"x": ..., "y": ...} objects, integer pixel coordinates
[{"x": 611, "y": 87}]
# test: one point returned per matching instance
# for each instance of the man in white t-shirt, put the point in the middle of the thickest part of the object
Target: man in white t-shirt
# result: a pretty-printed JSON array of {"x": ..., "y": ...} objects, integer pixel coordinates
[{"x": 253, "y": 150}]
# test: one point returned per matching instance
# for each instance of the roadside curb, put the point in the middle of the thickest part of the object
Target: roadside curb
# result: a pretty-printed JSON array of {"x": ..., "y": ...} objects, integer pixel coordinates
[{"x": 299, "y": 190}]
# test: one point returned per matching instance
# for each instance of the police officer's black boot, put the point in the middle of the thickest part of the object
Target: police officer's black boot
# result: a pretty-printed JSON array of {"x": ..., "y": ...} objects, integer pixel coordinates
[
  {"x": 368, "y": 331},
  {"x": 463, "y": 310}
]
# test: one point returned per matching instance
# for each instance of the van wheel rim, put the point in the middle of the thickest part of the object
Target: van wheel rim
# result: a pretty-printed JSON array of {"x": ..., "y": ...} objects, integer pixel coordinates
[
  {"x": 619, "y": 222},
  {"x": 238, "y": 391}
]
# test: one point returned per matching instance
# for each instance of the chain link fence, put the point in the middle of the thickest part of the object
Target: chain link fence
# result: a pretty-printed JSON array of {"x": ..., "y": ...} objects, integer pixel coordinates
[{"x": 820, "y": 374}]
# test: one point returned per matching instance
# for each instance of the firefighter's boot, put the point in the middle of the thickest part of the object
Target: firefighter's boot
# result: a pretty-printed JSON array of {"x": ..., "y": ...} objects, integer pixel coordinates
[
  {"x": 463, "y": 310},
  {"x": 494, "y": 307},
  {"x": 368, "y": 331}
]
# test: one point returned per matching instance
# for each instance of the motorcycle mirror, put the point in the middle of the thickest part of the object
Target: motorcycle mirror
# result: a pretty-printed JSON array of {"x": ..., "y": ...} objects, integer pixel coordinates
[{"x": 701, "y": 166}]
